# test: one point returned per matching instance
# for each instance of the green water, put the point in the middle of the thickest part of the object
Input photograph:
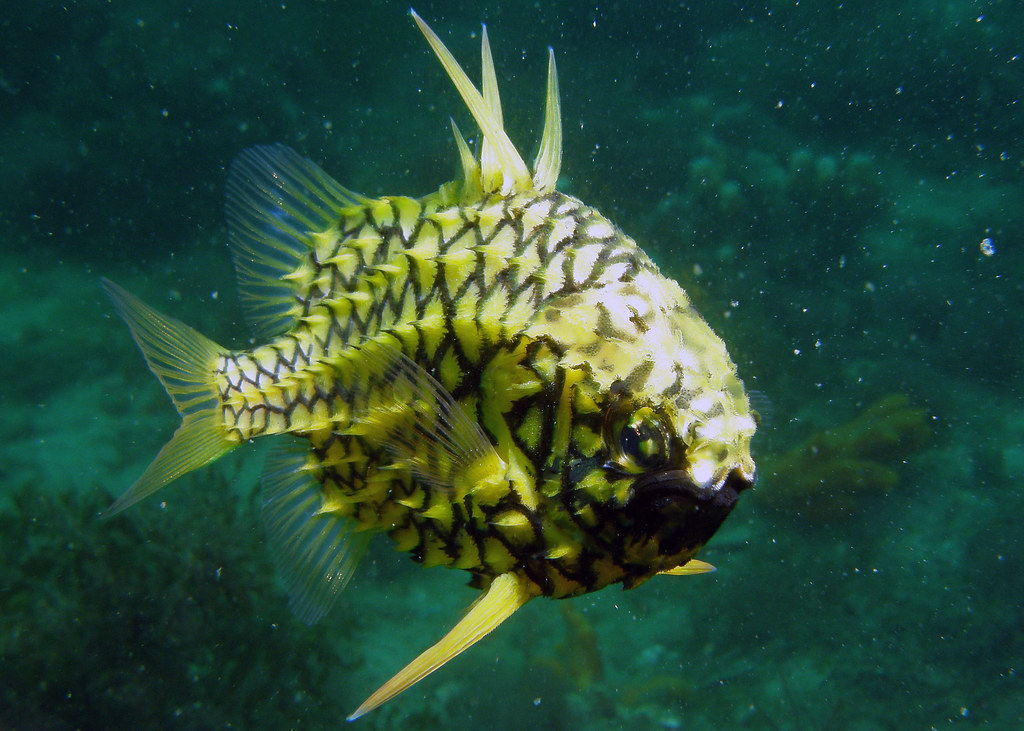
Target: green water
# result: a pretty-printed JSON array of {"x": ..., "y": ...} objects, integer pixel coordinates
[{"x": 838, "y": 186}]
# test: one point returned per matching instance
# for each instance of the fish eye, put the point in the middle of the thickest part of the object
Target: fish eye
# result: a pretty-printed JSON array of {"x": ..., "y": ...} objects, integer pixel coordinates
[{"x": 642, "y": 442}]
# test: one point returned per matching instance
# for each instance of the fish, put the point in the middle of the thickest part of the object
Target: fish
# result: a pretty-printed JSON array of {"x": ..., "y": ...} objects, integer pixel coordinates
[{"x": 494, "y": 375}]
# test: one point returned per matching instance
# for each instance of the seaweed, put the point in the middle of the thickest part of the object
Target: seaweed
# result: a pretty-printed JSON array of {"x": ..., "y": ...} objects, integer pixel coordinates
[
  {"x": 830, "y": 471},
  {"x": 153, "y": 619},
  {"x": 578, "y": 657}
]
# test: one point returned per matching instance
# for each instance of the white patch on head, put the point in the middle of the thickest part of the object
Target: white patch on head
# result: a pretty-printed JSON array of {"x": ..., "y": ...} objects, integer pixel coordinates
[
  {"x": 702, "y": 404},
  {"x": 567, "y": 207},
  {"x": 712, "y": 430},
  {"x": 600, "y": 229},
  {"x": 620, "y": 310},
  {"x": 561, "y": 229},
  {"x": 702, "y": 471},
  {"x": 613, "y": 273},
  {"x": 583, "y": 262},
  {"x": 554, "y": 277}
]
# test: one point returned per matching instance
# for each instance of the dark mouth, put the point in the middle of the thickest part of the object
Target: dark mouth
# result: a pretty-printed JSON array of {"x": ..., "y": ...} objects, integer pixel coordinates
[
  {"x": 666, "y": 505},
  {"x": 676, "y": 484}
]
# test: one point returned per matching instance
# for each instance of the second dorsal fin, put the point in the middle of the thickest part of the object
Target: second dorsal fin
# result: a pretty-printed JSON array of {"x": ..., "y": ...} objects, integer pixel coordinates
[{"x": 276, "y": 200}]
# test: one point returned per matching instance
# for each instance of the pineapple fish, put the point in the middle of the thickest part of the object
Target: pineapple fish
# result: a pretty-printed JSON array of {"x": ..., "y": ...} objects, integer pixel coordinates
[{"x": 494, "y": 375}]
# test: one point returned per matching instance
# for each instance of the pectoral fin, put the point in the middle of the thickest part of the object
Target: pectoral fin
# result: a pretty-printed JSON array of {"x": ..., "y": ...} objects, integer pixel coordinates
[
  {"x": 506, "y": 594},
  {"x": 423, "y": 427},
  {"x": 693, "y": 566}
]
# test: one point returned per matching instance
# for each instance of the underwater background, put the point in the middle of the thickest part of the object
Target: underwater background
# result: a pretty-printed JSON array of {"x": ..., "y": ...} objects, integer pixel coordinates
[{"x": 837, "y": 185}]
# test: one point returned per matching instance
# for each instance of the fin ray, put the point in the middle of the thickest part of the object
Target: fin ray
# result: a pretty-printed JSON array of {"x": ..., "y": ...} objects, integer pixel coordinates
[
  {"x": 490, "y": 158},
  {"x": 471, "y": 190},
  {"x": 197, "y": 442},
  {"x": 315, "y": 553},
  {"x": 185, "y": 362},
  {"x": 507, "y": 593},
  {"x": 415, "y": 418},
  {"x": 514, "y": 174},
  {"x": 549, "y": 158},
  {"x": 275, "y": 199}
]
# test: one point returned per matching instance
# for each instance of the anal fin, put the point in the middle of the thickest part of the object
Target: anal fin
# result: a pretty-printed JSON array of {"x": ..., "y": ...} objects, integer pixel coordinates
[
  {"x": 315, "y": 553},
  {"x": 505, "y": 595}
]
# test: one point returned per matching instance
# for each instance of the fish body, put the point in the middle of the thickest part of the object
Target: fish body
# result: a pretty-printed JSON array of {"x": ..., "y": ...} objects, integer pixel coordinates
[{"x": 494, "y": 375}]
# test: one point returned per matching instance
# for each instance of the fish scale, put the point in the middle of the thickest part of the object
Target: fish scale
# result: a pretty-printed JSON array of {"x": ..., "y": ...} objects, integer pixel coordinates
[
  {"x": 494, "y": 375},
  {"x": 366, "y": 303}
]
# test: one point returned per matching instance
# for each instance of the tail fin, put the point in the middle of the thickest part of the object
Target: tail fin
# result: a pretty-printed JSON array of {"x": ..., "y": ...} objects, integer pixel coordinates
[{"x": 185, "y": 362}]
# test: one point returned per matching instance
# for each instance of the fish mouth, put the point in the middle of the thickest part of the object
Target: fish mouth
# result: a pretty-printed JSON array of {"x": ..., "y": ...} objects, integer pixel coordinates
[{"x": 681, "y": 515}]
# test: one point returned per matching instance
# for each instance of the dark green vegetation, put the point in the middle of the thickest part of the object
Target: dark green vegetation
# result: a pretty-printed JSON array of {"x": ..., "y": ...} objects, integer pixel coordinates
[
  {"x": 164, "y": 619},
  {"x": 820, "y": 176}
]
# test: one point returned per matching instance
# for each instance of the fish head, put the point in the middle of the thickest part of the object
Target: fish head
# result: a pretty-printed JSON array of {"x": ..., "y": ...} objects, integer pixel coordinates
[
  {"x": 662, "y": 445},
  {"x": 672, "y": 481}
]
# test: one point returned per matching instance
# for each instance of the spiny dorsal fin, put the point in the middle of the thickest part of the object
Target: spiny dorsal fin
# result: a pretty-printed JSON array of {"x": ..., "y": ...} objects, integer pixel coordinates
[
  {"x": 490, "y": 161},
  {"x": 471, "y": 190},
  {"x": 549, "y": 158},
  {"x": 501, "y": 167},
  {"x": 489, "y": 79}
]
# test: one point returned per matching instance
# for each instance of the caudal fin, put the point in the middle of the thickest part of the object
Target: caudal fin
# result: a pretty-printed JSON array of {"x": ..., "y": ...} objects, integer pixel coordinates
[{"x": 185, "y": 362}]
